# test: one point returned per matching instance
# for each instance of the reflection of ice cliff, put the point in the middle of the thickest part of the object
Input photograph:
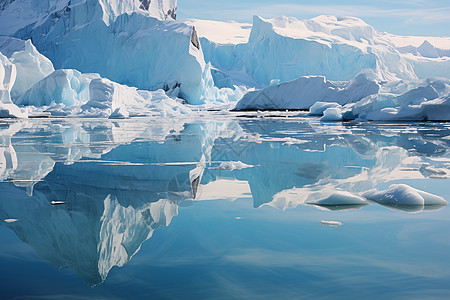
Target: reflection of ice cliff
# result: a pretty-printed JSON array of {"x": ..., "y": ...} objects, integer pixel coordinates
[
  {"x": 118, "y": 190},
  {"x": 89, "y": 235}
]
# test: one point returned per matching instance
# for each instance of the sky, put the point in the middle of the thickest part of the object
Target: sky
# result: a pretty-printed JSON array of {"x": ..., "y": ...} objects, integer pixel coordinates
[{"x": 405, "y": 17}]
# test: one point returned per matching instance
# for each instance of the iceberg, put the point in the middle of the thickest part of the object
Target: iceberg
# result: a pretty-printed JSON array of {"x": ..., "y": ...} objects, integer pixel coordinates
[
  {"x": 8, "y": 75},
  {"x": 133, "y": 42},
  {"x": 404, "y": 195},
  {"x": 233, "y": 165},
  {"x": 340, "y": 198},
  {"x": 31, "y": 67},
  {"x": 304, "y": 92},
  {"x": 286, "y": 48}
]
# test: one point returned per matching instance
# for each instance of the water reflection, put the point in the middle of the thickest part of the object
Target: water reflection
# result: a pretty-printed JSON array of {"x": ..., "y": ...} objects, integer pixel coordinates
[{"x": 117, "y": 182}]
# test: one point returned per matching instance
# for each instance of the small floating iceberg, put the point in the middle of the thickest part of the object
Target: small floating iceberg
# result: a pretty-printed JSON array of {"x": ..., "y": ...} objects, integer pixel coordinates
[
  {"x": 331, "y": 223},
  {"x": 340, "y": 200},
  {"x": 403, "y": 195},
  {"x": 9, "y": 221}
]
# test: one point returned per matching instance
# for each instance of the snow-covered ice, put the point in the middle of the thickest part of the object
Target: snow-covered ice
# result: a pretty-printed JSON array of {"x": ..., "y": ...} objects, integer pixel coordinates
[
  {"x": 8, "y": 73},
  {"x": 402, "y": 194},
  {"x": 303, "y": 92},
  {"x": 233, "y": 165},
  {"x": 31, "y": 67}
]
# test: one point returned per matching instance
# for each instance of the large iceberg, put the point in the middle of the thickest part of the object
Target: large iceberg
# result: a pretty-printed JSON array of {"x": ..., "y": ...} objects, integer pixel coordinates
[
  {"x": 286, "y": 48},
  {"x": 120, "y": 40},
  {"x": 420, "y": 100}
]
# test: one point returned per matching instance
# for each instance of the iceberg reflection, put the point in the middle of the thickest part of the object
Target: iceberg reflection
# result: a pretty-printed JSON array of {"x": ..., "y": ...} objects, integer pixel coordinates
[{"x": 115, "y": 183}]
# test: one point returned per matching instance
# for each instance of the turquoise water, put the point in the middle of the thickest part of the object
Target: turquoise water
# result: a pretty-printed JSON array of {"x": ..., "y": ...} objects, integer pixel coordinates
[{"x": 147, "y": 209}]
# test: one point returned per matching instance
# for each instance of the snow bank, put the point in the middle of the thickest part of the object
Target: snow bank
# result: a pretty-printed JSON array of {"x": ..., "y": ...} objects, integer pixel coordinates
[
  {"x": 304, "y": 92},
  {"x": 404, "y": 195}
]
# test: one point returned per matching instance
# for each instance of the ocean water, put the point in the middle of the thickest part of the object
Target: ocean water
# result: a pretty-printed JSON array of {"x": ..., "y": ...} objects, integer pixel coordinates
[{"x": 220, "y": 206}]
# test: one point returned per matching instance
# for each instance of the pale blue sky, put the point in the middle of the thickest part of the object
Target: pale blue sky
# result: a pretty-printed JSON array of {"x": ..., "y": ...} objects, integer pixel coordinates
[{"x": 408, "y": 17}]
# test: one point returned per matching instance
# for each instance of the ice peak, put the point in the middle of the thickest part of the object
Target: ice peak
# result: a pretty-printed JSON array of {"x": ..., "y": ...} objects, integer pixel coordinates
[{"x": 428, "y": 50}]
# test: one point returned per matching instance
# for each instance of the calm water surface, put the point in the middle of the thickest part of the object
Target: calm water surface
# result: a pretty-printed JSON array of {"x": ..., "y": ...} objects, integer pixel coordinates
[{"x": 160, "y": 209}]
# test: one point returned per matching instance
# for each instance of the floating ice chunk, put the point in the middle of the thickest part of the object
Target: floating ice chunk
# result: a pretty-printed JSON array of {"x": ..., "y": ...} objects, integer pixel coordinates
[
  {"x": 435, "y": 172},
  {"x": 195, "y": 177},
  {"x": 9, "y": 221},
  {"x": 111, "y": 97},
  {"x": 31, "y": 67},
  {"x": 331, "y": 223},
  {"x": 404, "y": 195},
  {"x": 57, "y": 202},
  {"x": 318, "y": 108},
  {"x": 332, "y": 114},
  {"x": 340, "y": 198},
  {"x": 233, "y": 165}
]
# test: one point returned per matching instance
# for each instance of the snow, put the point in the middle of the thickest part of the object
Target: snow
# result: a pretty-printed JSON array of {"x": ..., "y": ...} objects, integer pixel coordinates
[
  {"x": 404, "y": 195},
  {"x": 303, "y": 92}
]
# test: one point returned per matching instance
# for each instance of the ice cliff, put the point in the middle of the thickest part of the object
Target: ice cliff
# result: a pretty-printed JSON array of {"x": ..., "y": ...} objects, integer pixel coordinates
[{"x": 121, "y": 40}]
